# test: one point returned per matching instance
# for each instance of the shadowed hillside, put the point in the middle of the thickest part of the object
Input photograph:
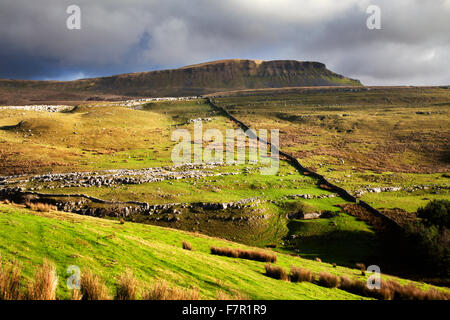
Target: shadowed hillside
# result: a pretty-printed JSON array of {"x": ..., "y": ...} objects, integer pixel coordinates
[{"x": 190, "y": 80}]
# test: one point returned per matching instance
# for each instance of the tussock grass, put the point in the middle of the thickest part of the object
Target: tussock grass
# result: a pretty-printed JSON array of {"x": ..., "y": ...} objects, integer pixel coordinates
[
  {"x": 353, "y": 286},
  {"x": 75, "y": 295},
  {"x": 257, "y": 255},
  {"x": 45, "y": 283},
  {"x": 92, "y": 287},
  {"x": 127, "y": 288},
  {"x": 276, "y": 272},
  {"x": 300, "y": 274},
  {"x": 187, "y": 245},
  {"x": 10, "y": 281},
  {"x": 391, "y": 290},
  {"x": 41, "y": 207},
  {"x": 328, "y": 280},
  {"x": 412, "y": 292},
  {"x": 162, "y": 291},
  {"x": 221, "y": 295}
]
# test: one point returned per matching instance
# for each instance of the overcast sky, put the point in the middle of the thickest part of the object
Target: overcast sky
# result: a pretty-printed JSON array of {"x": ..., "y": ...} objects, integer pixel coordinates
[{"x": 412, "y": 47}]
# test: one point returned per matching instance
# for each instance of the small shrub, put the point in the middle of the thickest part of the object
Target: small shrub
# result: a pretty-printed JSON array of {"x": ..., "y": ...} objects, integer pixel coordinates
[
  {"x": 10, "y": 281},
  {"x": 162, "y": 291},
  {"x": 436, "y": 212},
  {"x": 92, "y": 287},
  {"x": 121, "y": 221},
  {"x": 45, "y": 283},
  {"x": 127, "y": 287},
  {"x": 276, "y": 272},
  {"x": 328, "y": 280},
  {"x": 187, "y": 245},
  {"x": 299, "y": 275}
]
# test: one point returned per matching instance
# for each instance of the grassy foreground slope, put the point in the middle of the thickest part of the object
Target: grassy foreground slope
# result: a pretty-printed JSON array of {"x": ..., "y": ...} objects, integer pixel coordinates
[
  {"x": 152, "y": 253},
  {"x": 109, "y": 248}
]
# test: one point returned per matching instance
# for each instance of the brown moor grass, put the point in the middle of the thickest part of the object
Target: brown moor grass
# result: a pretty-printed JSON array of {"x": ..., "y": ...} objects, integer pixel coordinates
[
  {"x": 328, "y": 280},
  {"x": 127, "y": 287},
  {"x": 41, "y": 207},
  {"x": 162, "y": 291},
  {"x": 9, "y": 281},
  {"x": 45, "y": 282},
  {"x": 299, "y": 274},
  {"x": 257, "y": 255},
  {"x": 187, "y": 245},
  {"x": 92, "y": 287},
  {"x": 276, "y": 272}
]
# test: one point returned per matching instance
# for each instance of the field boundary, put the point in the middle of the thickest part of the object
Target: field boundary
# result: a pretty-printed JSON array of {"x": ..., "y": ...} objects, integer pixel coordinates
[{"x": 321, "y": 179}]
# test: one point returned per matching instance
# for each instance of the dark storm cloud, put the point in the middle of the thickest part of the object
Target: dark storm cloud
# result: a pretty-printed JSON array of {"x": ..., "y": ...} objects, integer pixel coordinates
[{"x": 412, "y": 47}]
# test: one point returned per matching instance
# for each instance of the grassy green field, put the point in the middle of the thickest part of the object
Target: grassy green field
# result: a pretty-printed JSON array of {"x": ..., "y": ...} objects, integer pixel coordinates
[
  {"x": 342, "y": 239},
  {"x": 93, "y": 137},
  {"x": 152, "y": 253},
  {"x": 409, "y": 201},
  {"x": 109, "y": 248}
]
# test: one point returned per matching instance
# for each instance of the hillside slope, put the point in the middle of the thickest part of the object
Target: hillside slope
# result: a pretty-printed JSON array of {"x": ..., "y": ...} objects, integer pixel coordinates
[
  {"x": 108, "y": 248},
  {"x": 197, "y": 79}
]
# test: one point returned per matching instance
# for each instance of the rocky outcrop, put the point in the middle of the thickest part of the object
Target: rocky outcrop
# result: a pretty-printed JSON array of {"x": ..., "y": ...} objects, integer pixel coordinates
[
  {"x": 168, "y": 212},
  {"x": 309, "y": 196},
  {"x": 111, "y": 178},
  {"x": 42, "y": 108},
  {"x": 361, "y": 192},
  {"x": 304, "y": 215}
]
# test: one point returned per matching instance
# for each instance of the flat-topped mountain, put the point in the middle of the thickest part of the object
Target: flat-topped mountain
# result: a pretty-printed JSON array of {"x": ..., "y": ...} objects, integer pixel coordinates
[{"x": 216, "y": 76}]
